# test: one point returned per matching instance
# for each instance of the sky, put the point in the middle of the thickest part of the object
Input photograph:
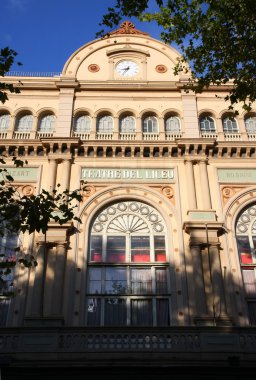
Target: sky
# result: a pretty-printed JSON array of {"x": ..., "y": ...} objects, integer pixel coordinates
[{"x": 45, "y": 33}]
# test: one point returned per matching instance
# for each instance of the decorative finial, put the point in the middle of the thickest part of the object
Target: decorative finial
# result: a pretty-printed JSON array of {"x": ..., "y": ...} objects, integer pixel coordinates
[{"x": 127, "y": 27}]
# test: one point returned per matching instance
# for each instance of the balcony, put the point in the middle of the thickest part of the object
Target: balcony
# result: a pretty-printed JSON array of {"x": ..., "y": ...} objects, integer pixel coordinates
[
  {"x": 150, "y": 136},
  {"x": 235, "y": 136},
  {"x": 191, "y": 345}
]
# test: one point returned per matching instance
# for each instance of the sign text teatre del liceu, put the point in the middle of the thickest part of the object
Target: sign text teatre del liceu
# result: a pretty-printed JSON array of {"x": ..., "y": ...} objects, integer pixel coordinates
[{"x": 101, "y": 174}]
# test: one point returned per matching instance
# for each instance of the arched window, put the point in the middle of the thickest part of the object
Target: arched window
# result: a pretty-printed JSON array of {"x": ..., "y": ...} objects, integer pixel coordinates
[
  {"x": 105, "y": 124},
  {"x": 150, "y": 125},
  {"x": 172, "y": 124},
  {"x": 229, "y": 125},
  {"x": 250, "y": 124},
  {"x": 82, "y": 124},
  {"x": 127, "y": 124},
  {"x": 46, "y": 123},
  {"x": 207, "y": 124},
  {"x": 128, "y": 274},
  {"x": 24, "y": 123},
  {"x": 4, "y": 122},
  {"x": 246, "y": 244}
]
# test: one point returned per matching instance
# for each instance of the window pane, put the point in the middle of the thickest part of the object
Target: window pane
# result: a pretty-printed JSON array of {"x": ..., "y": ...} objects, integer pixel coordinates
[
  {"x": 95, "y": 281},
  {"x": 244, "y": 249},
  {"x": 4, "y": 122},
  {"x": 161, "y": 281},
  {"x": 47, "y": 123},
  {"x": 159, "y": 246},
  {"x": 172, "y": 124},
  {"x": 25, "y": 123},
  {"x": 116, "y": 281},
  {"x": 140, "y": 248},
  {"x": 249, "y": 282},
  {"x": 252, "y": 312},
  {"x": 116, "y": 249},
  {"x": 141, "y": 312},
  {"x": 93, "y": 311},
  {"x": 96, "y": 248},
  {"x": 127, "y": 124},
  {"x": 162, "y": 312},
  {"x": 141, "y": 281},
  {"x": 115, "y": 312}
]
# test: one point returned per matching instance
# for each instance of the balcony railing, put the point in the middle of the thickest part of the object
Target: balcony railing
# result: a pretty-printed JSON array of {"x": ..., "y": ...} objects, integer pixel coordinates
[
  {"x": 252, "y": 136},
  {"x": 171, "y": 136},
  {"x": 229, "y": 136},
  {"x": 150, "y": 136},
  {"x": 209, "y": 135},
  {"x": 82, "y": 135},
  {"x": 21, "y": 135},
  {"x": 40, "y": 135},
  {"x": 33, "y": 74},
  {"x": 127, "y": 136},
  {"x": 104, "y": 135}
]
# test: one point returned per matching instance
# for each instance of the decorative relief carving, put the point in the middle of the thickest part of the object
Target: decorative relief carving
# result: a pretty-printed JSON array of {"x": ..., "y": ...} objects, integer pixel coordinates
[
  {"x": 127, "y": 27},
  {"x": 168, "y": 192},
  {"x": 87, "y": 191},
  {"x": 161, "y": 69},
  {"x": 28, "y": 190},
  {"x": 228, "y": 192},
  {"x": 94, "y": 68}
]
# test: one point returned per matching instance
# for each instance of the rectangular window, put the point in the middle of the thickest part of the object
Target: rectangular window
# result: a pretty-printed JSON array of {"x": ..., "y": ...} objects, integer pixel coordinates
[
  {"x": 93, "y": 311},
  {"x": 140, "y": 249},
  {"x": 96, "y": 248},
  {"x": 95, "y": 281},
  {"x": 116, "y": 282},
  {"x": 141, "y": 281},
  {"x": 162, "y": 312},
  {"x": 115, "y": 312},
  {"x": 116, "y": 249},
  {"x": 244, "y": 249},
  {"x": 161, "y": 281},
  {"x": 141, "y": 312},
  {"x": 159, "y": 246},
  {"x": 249, "y": 282}
]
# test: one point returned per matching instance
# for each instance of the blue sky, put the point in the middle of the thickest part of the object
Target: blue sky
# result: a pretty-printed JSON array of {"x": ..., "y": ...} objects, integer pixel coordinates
[{"x": 46, "y": 32}]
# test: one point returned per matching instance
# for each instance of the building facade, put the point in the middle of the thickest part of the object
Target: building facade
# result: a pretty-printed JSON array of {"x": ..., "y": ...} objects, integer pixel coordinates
[{"x": 160, "y": 272}]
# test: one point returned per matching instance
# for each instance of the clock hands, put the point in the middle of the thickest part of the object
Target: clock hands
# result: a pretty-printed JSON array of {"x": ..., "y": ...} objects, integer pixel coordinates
[{"x": 126, "y": 69}]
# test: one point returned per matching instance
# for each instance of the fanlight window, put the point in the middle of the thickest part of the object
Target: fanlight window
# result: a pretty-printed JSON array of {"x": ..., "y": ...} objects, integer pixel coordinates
[
  {"x": 82, "y": 124},
  {"x": 24, "y": 123},
  {"x": 128, "y": 274},
  {"x": 172, "y": 124},
  {"x": 250, "y": 124},
  {"x": 127, "y": 124},
  {"x": 207, "y": 124},
  {"x": 105, "y": 124},
  {"x": 46, "y": 123},
  {"x": 246, "y": 244},
  {"x": 4, "y": 122},
  {"x": 150, "y": 124},
  {"x": 229, "y": 125}
]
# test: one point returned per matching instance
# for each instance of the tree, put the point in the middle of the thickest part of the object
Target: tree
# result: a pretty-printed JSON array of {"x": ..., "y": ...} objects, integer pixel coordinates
[
  {"x": 29, "y": 214},
  {"x": 7, "y": 58},
  {"x": 217, "y": 39}
]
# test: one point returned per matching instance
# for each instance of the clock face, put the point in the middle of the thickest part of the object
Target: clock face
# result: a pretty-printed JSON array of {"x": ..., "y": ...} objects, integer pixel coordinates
[{"x": 127, "y": 68}]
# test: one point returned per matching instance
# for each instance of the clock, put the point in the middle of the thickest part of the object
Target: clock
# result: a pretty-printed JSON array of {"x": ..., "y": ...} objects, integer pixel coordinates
[{"x": 127, "y": 68}]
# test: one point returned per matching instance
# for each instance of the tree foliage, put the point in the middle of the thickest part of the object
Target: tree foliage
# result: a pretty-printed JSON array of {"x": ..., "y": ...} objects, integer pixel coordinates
[
  {"x": 7, "y": 58},
  {"x": 217, "y": 39},
  {"x": 28, "y": 214}
]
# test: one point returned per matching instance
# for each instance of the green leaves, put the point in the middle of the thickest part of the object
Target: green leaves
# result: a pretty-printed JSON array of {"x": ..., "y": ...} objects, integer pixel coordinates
[
  {"x": 217, "y": 39},
  {"x": 7, "y": 58}
]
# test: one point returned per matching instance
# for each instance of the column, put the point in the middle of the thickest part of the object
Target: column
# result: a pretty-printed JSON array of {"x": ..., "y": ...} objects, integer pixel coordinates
[
  {"x": 60, "y": 265},
  {"x": 205, "y": 190},
  {"x": 52, "y": 174},
  {"x": 93, "y": 129},
  {"x": 66, "y": 174},
  {"x": 161, "y": 129},
  {"x": 219, "y": 127},
  {"x": 200, "y": 299},
  {"x": 241, "y": 128},
  {"x": 138, "y": 129},
  {"x": 217, "y": 281},
  {"x": 38, "y": 288},
  {"x": 191, "y": 191},
  {"x": 116, "y": 128}
]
